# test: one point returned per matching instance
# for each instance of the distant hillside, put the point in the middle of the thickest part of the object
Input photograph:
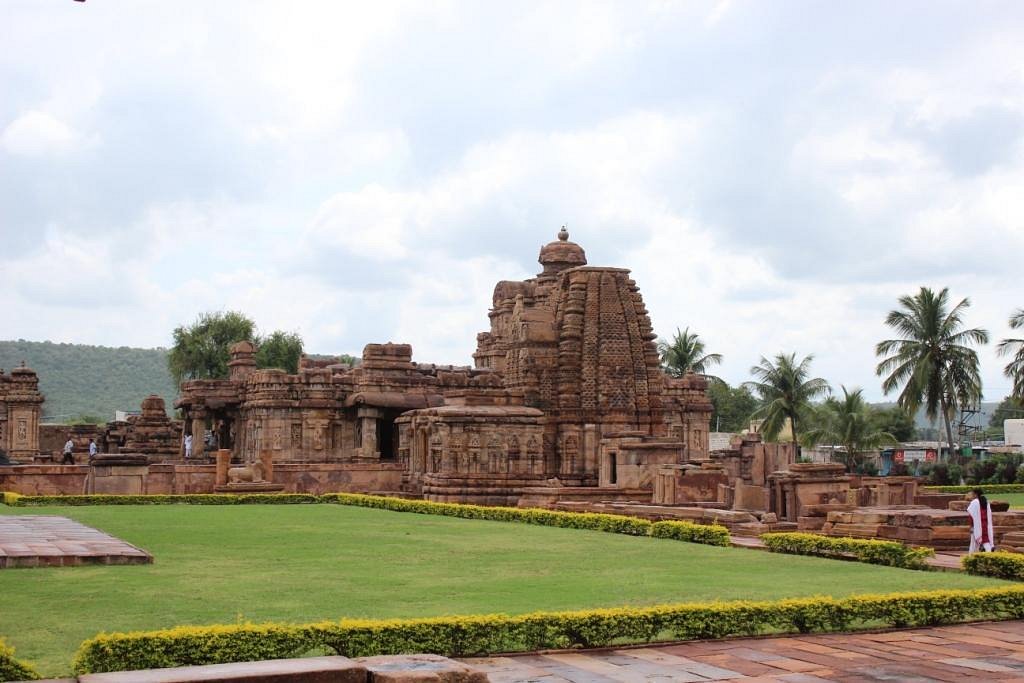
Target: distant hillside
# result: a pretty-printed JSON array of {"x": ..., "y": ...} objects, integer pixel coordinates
[
  {"x": 986, "y": 410},
  {"x": 91, "y": 380}
]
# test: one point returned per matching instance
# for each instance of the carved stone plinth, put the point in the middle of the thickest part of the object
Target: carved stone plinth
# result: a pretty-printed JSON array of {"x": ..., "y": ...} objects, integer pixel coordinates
[
  {"x": 118, "y": 474},
  {"x": 250, "y": 487}
]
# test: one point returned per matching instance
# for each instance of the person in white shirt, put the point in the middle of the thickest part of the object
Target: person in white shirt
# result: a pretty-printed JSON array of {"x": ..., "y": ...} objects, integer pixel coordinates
[
  {"x": 188, "y": 446},
  {"x": 69, "y": 450},
  {"x": 92, "y": 449},
  {"x": 982, "y": 537}
]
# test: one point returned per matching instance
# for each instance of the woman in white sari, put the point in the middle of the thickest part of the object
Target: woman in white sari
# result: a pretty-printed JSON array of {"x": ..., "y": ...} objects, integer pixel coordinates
[{"x": 982, "y": 537}]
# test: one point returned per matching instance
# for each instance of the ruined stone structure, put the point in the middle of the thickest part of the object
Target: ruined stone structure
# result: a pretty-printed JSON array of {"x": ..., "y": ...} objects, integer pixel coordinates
[
  {"x": 152, "y": 433},
  {"x": 20, "y": 404},
  {"x": 565, "y": 407},
  {"x": 566, "y": 392}
]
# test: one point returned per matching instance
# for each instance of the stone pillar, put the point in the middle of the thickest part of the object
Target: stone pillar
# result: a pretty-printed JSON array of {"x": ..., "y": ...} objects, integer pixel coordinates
[
  {"x": 223, "y": 464},
  {"x": 369, "y": 448},
  {"x": 198, "y": 434},
  {"x": 591, "y": 450}
]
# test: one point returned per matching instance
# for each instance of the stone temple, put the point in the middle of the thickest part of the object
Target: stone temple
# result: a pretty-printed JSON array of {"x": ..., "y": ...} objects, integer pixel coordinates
[
  {"x": 566, "y": 391},
  {"x": 565, "y": 406}
]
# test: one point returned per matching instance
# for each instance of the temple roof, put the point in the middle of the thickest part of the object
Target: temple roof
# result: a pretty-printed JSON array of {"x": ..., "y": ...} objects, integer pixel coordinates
[{"x": 561, "y": 254}]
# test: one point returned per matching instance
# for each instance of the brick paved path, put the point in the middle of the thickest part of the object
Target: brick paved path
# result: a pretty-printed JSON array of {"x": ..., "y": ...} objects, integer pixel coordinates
[
  {"x": 989, "y": 651},
  {"x": 40, "y": 541}
]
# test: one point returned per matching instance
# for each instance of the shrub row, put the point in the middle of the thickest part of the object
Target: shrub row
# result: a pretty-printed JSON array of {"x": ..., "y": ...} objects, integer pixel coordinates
[
  {"x": 617, "y": 524},
  {"x": 481, "y": 635},
  {"x": 999, "y": 565},
  {"x": 889, "y": 553},
  {"x": 13, "y": 670},
  {"x": 988, "y": 488}
]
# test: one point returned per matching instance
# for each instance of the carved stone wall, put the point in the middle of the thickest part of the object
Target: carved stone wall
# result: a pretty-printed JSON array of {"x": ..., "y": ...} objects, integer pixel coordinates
[{"x": 20, "y": 405}]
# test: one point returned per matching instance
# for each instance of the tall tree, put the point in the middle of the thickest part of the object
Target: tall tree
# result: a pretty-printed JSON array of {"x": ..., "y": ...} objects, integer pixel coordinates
[
  {"x": 200, "y": 351},
  {"x": 931, "y": 360},
  {"x": 786, "y": 389},
  {"x": 733, "y": 407},
  {"x": 279, "y": 350},
  {"x": 849, "y": 423},
  {"x": 685, "y": 354},
  {"x": 1015, "y": 368},
  {"x": 895, "y": 421}
]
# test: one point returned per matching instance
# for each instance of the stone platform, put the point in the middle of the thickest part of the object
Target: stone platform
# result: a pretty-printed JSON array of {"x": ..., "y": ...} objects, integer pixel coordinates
[
  {"x": 44, "y": 541},
  {"x": 989, "y": 651}
]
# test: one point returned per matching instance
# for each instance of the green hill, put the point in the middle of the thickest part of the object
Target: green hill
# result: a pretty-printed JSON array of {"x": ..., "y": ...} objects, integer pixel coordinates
[{"x": 80, "y": 380}]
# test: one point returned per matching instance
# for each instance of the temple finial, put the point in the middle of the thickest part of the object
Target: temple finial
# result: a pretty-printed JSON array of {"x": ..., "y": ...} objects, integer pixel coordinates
[{"x": 563, "y": 234}]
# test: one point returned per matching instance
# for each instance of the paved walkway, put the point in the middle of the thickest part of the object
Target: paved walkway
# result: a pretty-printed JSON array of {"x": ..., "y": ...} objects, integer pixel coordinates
[
  {"x": 944, "y": 560},
  {"x": 989, "y": 651},
  {"x": 44, "y": 541}
]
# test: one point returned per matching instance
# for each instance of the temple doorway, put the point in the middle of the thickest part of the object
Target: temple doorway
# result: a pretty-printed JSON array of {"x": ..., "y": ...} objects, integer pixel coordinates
[{"x": 387, "y": 434}]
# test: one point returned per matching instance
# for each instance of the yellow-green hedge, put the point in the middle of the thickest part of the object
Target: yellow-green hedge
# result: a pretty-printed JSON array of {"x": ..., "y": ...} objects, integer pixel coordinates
[
  {"x": 988, "y": 488},
  {"x": 480, "y": 635},
  {"x": 1000, "y": 565},
  {"x": 694, "y": 533},
  {"x": 889, "y": 553},
  {"x": 12, "y": 669},
  {"x": 617, "y": 524}
]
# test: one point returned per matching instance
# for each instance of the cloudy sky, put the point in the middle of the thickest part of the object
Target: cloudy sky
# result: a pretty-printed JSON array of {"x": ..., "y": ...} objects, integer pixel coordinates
[{"x": 775, "y": 174}]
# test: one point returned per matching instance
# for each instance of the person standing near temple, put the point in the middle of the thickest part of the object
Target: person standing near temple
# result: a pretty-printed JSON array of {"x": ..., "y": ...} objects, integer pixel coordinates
[
  {"x": 982, "y": 536},
  {"x": 92, "y": 449},
  {"x": 188, "y": 446},
  {"x": 69, "y": 450}
]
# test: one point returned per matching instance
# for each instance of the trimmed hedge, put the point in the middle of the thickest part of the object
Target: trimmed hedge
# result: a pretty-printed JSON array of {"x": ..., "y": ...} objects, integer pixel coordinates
[
  {"x": 488, "y": 634},
  {"x": 694, "y": 533},
  {"x": 12, "y": 669},
  {"x": 17, "y": 500},
  {"x": 888, "y": 553},
  {"x": 998, "y": 565},
  {"x": 987, "y": 488},
  {"x": 616, "y": 524}
]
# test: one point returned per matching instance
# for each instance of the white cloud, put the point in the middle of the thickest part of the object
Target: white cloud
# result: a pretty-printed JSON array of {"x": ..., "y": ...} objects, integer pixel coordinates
[
  {"x": 36, "y": 134},
  {"x": 775, "y": 177}
]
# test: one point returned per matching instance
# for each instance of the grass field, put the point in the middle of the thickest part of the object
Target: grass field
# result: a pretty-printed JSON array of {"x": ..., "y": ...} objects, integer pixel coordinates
[
  {"x": 313, "y": 562},
  {"x": 1016, "y": 500}
]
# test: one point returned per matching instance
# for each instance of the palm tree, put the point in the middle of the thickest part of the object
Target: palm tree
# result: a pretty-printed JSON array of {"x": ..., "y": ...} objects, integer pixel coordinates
[
  {"x": 1015, "y": 368},
  {"x": 786, "y": 392},
  {"x": 685, "y": 354},
  {"x": 848, "y": 423},
  {"x": 932, "y": 359}
]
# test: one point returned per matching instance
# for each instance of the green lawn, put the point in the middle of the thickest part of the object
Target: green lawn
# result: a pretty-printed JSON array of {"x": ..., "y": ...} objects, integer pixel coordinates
[
  {"x": 310, "y": 562},
  {"x": 1016, "y": 500}
]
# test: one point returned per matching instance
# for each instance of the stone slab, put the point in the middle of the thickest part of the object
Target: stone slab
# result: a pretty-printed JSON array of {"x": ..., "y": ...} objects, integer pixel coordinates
[
  {"x": 307, "y": 670},
  {"x": 48, "y": 541},
  {"x": 421, "y": 668}
]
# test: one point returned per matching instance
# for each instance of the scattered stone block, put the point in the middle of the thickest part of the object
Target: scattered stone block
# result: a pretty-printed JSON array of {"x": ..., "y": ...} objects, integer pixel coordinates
[
  {"x": 420, "y": 668},
  {"x": 303, "y": 670}
]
